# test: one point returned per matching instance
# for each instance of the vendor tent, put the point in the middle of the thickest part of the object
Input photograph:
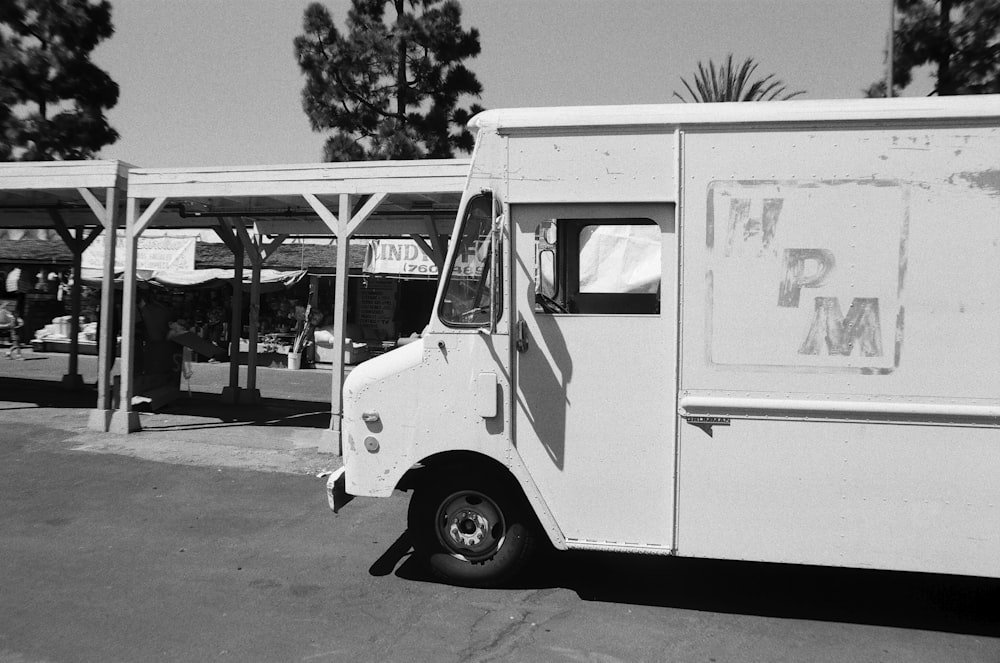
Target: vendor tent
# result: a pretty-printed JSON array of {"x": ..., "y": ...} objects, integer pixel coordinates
[
  {"x": 76, "y": 201},
  {"x": 254, "y": 209},
  {"x": 270, "y": 279}
]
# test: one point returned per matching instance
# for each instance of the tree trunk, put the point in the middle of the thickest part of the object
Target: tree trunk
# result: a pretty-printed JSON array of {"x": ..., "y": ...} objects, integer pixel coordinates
[
  {"x": 402, "y": 91},
  {"x": 944, "y": 83}
]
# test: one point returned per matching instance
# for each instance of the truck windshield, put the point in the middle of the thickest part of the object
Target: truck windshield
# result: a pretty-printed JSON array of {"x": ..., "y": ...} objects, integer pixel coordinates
[{"x": 469, "y": 289}]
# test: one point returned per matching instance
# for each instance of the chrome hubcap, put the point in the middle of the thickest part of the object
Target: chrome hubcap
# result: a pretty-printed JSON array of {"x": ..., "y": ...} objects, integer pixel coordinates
[{"x": 470, "y": 525}]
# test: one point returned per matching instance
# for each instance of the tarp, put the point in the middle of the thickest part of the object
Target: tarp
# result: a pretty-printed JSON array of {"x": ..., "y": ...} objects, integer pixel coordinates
[
  {"x": 620, "y": 258},
  {"x": 271, "y": 280}
]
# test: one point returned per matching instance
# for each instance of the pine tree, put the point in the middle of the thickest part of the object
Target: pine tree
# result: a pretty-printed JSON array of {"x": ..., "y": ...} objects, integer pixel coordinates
[
  {"x": 52, "y": 97},
  {"x": 959, "y": 39},
  {"x": 389, "y": 90}
]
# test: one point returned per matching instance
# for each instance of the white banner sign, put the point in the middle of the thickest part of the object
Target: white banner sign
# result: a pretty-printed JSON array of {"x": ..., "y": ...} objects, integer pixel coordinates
[
  {"x": 155, "y": 253},
  {"x": 398, "y": 256},
  {"x": 402, "y": 257}
]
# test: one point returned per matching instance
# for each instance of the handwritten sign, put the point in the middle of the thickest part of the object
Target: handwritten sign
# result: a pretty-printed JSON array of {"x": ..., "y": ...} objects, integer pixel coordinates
[{"x": 153, "y": 253}]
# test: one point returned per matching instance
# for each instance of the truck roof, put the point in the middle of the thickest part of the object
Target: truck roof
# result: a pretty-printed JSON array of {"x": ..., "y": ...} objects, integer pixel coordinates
[{"x": 676, "y": 115}]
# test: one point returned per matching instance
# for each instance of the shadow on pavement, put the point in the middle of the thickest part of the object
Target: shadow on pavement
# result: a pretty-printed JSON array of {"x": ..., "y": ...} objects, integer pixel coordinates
[
  {"x": 188, "y": 412},
  {"x": 203, "y": 410},
  {"x": 952, "y": 604},
  {"x": 298, "y": 399},
  {"x": 46, "y": 393}
]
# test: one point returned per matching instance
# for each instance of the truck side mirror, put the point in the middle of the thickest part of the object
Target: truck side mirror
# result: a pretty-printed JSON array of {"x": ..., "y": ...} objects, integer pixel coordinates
[{"x": 546, "y": 275}]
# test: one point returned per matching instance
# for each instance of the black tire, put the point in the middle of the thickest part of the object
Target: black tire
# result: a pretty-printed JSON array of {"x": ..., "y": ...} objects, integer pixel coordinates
[{"x": 470, "y": 532}]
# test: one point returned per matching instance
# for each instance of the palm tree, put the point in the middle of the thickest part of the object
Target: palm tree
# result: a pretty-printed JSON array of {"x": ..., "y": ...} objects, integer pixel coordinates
[{"x": 729, "y": 84}]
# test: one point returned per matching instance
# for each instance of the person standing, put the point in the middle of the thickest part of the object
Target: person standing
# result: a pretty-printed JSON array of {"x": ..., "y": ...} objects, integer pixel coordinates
[{"x": 10, "y": 321}]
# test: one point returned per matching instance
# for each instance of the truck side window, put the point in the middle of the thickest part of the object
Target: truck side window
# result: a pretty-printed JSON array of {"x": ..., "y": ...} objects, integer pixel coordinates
[
  {"x": 470, "y": 288},
  {"x": 602, "y": 266}
]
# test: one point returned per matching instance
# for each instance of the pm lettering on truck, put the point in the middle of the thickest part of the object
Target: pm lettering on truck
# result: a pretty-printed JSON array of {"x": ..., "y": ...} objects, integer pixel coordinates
[
  {"x": 830, "y": 330},
  {"x": 808, "y": 275}
]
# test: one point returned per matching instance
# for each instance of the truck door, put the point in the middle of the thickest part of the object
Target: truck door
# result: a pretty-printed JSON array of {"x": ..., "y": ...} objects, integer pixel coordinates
[{"x": 595, "y": 404}]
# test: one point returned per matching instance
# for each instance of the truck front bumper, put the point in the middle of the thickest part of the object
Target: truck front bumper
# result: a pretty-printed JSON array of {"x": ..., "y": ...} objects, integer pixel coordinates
[{"x": 336, "y": 491}]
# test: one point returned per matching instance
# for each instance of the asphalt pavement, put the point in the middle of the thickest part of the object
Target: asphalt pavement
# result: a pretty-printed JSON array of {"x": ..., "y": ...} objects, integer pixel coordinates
[{"x": 206, "y": 537}]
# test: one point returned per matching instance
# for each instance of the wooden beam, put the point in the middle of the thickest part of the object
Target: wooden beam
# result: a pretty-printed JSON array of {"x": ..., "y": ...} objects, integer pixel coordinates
[
  {"x": 60, "y": 227},
  {"x": 249, "y": 245},
  {"x": 89, "y": 239},
  {"x": 226, "y": 233},
  {"x": 268, "y": 250},
  {"x": 328, "y": 217},
  {"x": 428, "y": 251},
  {"x": 366, "y": 211},
  {"x": 143, "y": 221},
  {"x": 99, "y": 210},
  {"x": 440, "y": 246}
]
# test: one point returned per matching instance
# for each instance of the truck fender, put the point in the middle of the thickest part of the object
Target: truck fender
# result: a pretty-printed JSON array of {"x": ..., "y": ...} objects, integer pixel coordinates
[{"x": 513, "y": 464}]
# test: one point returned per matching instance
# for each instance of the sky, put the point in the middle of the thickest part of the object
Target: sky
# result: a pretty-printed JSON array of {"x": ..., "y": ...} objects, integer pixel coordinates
[{"x": 215, "y": 82}]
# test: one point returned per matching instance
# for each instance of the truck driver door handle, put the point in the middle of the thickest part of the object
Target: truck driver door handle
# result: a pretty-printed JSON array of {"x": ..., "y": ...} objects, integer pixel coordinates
[{"x": 522, "y": 336}]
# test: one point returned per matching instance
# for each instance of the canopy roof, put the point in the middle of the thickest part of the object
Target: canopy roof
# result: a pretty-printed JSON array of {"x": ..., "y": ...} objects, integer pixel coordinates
[
  {"x": 272, "y": 198},
  {"x": 269, "y": 198},
  {"x": 35, "y": 194}
]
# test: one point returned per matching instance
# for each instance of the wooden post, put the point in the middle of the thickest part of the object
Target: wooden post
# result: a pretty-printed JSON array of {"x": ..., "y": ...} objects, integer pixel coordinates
[
  {"x": 124, "y": 420},
  {"x": 258, "y": 255},
  {"x": 343, "y": 226},
  {"x": 225, "y": 231},
  {"x": 252, "y": 392},
  {"x": 74, "y": 242},
  {"x": 236, "y": 330},
  {"x": 72, "y": 379},
  {"x": 107, "y": 342},
  {"x": 340, "y": 321}
]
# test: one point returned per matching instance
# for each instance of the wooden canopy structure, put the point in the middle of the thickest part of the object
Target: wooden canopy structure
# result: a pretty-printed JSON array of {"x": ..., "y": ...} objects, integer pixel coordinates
[
  {"x": 78, "y": 200},
  {"x": 254, "y": 209}
]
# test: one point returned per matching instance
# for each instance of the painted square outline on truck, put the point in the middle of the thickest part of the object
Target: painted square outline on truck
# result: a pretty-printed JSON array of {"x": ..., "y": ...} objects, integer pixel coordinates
[{"x": 806, "y": 275}]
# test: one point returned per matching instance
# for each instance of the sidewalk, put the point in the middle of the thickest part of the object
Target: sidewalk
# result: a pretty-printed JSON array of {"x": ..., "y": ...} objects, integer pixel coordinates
[{"x": 282, "y": 433}]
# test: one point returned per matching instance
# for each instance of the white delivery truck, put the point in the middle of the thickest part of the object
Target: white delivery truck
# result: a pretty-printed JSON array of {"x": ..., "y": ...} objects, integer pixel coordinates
[{"x": 754, "y": 331}]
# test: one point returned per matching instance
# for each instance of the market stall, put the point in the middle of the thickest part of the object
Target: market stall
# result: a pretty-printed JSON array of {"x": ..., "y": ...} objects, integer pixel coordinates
[
  {"x": 254, "y": 210},
  {"x": 77, "y": 201}
]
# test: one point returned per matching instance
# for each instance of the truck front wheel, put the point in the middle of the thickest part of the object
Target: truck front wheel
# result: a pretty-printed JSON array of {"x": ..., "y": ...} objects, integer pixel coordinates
[{"x": 472, "y": 533}]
